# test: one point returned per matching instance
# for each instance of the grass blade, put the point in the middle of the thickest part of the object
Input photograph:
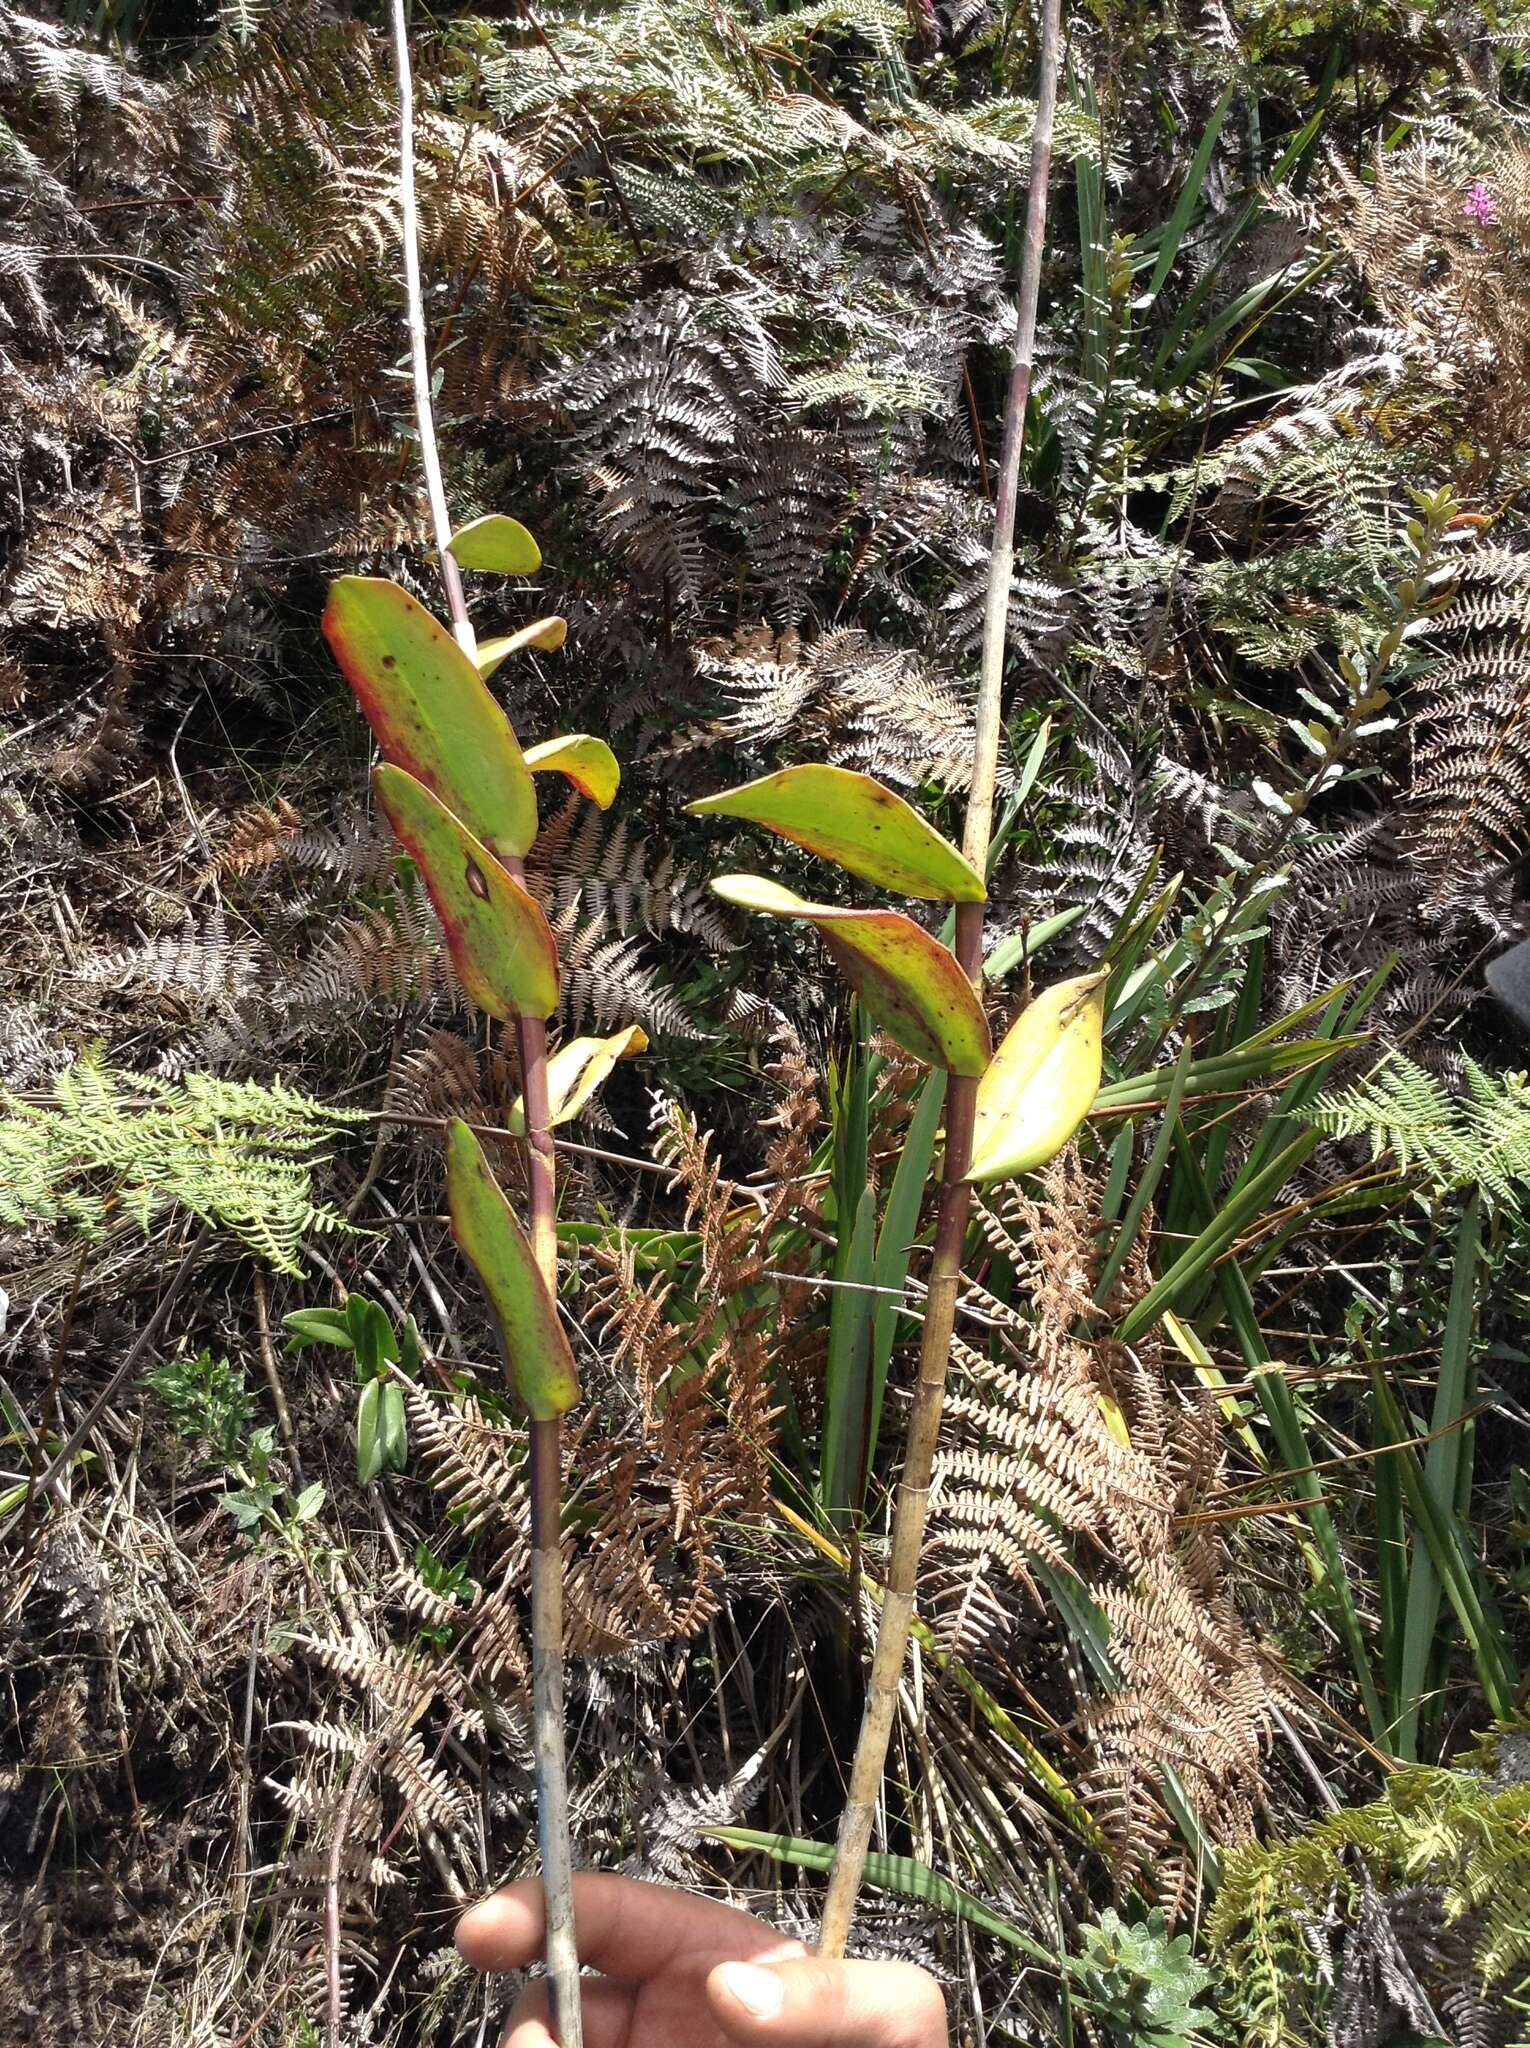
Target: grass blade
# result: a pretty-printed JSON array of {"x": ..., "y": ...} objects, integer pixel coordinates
[
  {"x": 1442, "y": 1536},
  {"x": 1441, "y": 1473},
  {"x": 904, "y": 1875},
  {"x": 1179, "y": 220}
]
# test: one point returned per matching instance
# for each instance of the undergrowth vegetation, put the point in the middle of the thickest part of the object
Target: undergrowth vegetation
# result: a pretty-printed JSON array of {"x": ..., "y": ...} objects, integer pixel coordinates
[{"x": 1211, "y": 1725}]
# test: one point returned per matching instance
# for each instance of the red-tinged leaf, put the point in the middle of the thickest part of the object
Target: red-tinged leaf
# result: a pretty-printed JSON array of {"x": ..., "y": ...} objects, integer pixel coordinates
[
  {"x": 496, "y": 543},
  {"x": 588, "y": 763},
  {"x": 537, "y": 1354},
  {"x": 500, "y": 943},
  {"x": 547, "y": 635},
  {"x": 908, "y": 981},
  {"x": 431, "y": 711},
  {"x": 854, "y": 821}
]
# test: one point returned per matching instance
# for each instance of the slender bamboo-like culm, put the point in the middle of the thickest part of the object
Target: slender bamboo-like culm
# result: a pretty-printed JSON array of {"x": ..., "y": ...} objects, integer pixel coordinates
[
  {"x": 545, "y": 1458},
  {"x": 913, "y": 1496}
]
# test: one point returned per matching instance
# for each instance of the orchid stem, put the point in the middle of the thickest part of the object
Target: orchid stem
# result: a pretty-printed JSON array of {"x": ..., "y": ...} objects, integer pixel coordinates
[
  {"x": 913, "y": 1498},
  {"x": 545, "y": 1445}
]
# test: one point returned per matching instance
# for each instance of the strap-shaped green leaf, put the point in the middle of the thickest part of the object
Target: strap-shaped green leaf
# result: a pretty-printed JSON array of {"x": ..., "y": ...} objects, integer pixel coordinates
[
  {"x": 500, "y": 943},
  {"x": 852, "y": 820},
  {"x": 1041, "y": 1082},
  {"x": 430, "y": 709},
  {"x": 496, "y": 543},
  {"x": 537, "y": 1354},
  {"x": 575, "y": 1071},
  {"x": 547, "y": 635},
  {"x": 588, "y": 763},
  {"x": 907, "y": 980}
]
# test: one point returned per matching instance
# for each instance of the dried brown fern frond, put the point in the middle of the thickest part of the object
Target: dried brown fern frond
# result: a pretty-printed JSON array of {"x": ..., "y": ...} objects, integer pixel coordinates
[
  {"x": 607, "y": 982},
  {"x": 214, "y": 964},
  {"x": 1073, "y": 1453},
  {"x": 1438, "y": 230},
  {"x": 1467, "y": 801},
  {"x": 849, "y": 699},
  {"x": 255, "y": 836},
  {"x": 618, "y": 880},
  {"x": 717, "y": 1422},
  {"x": 390, "y": 955}
]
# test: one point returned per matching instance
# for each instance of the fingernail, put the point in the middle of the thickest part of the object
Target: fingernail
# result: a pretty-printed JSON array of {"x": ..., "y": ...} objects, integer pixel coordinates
[{"x": 760, "y": 1992}]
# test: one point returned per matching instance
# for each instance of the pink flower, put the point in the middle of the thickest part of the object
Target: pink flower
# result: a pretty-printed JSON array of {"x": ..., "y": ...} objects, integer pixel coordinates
[{"x": 1480, "y": 205}]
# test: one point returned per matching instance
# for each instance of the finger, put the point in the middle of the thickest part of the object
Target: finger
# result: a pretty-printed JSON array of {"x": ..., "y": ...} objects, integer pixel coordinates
[
  {"x": 828, "y": 2005},
  {"x": 624, "y": 1929},
  {"x": 606, "y": 2010}
]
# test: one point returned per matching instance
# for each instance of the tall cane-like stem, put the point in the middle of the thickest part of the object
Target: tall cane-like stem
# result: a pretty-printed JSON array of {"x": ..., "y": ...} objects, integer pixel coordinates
[
  {"x": 546, "y": 1441},
  {"x": 913, "y": 1497},
  {"x": 547, "y": 1572}
]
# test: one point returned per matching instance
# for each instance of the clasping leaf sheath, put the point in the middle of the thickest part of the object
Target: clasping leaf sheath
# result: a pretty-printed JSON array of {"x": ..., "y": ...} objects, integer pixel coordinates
[{"x": 1042, "y": 1080}]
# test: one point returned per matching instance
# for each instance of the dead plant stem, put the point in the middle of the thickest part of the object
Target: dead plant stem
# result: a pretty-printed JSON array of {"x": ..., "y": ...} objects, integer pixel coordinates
[{"x": 419, "y": 353}]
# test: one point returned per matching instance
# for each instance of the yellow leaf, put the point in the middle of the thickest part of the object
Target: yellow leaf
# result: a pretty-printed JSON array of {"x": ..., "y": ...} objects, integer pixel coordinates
[
  {"x": 588, "y": 763},
  {"x": 575, "y": 1071},
  {"x": 1041, "y": 1082},
  {"x": 546, "y": 634}
]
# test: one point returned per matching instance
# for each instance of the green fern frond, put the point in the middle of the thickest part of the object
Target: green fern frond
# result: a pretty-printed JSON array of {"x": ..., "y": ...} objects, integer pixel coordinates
[
  {"x": 1463, "y": 1834},
  {"x": 234, "y": 1154},
  {"x": 1481, "y": 1138}
]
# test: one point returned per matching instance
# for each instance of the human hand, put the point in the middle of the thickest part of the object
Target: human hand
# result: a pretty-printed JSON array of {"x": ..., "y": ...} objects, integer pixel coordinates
[{"x": 682, "y": 1972}]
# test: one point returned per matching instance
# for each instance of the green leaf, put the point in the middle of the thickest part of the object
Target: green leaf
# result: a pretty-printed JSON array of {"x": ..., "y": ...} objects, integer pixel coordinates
[
  {"x": 900, "y": 1874},
  {"x": 548, "y": 635},
  {"x": 588, "y": 763},
  {"x": 537, "y": 1354},
  {"x": 394, "y": 1429},
  {"x": 306, "y": 1326},
  {"x": 496, "y": 543},
  {"x": 906, "y": 979},
  {"x": 1025, "y": 945},
  {"x": 1040, "y": 1084},
  {"x": 1224, "y": 1073},
  {"x": 1441, "y": 1472},
  {"x": 852, "y": 820},
  {"x": 1174, "y": 233},
  {"x": 372, "y": 1337},
  {"x": 1147, "y": 1181},
  {"x": 1031, "y": 767},
  {"x": 500, "y": 943},
  {"x": 895, "y": 1243},
  {"x": 308, "y": 1503},
  {"x": 430, "y": 710},
  {"x": 846, "y": 1369},
  {"x": 575, "y": 1071},
  {"x": 1219, "y": 1234},
  {"x": 369, "y": 1442},
  {"x": 1326, "y": 1557},
  {"x": 1439, "y": 1530}
]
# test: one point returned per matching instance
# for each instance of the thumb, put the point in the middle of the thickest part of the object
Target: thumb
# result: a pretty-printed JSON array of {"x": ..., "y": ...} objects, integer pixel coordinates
[{"x": 828, "y": 2005}]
